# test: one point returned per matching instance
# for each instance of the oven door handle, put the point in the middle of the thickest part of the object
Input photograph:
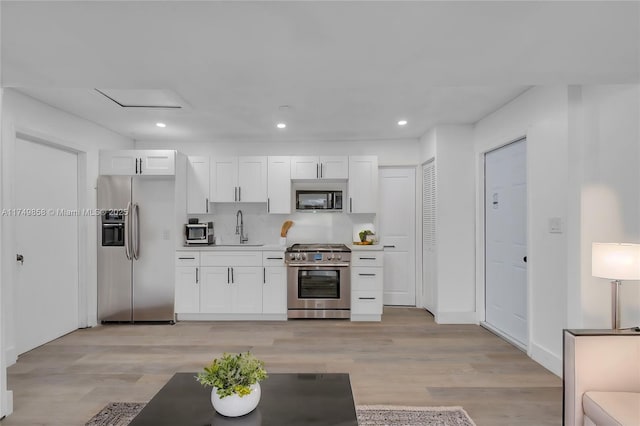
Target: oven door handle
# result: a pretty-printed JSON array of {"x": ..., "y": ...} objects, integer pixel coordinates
[{"x": 306, "y": 265}]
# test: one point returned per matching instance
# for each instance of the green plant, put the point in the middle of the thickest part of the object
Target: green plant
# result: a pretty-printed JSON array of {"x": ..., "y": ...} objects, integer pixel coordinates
[
  {"x": 363, "y": 235},
  {"x": 233, "y": 374}
]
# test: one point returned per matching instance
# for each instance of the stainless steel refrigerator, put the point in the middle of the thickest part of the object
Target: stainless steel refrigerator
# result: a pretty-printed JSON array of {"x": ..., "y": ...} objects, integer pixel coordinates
[{"x": 135, "y": 249}]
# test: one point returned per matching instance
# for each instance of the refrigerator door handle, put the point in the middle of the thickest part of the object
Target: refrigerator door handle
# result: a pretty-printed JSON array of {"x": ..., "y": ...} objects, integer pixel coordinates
[
  {"x": 136, "y": 231},
  {"x": 127, "y": 232}
]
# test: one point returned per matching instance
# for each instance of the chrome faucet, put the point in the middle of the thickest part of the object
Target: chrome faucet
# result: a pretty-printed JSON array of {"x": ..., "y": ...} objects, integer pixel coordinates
[{"x": 240, "y": 228}]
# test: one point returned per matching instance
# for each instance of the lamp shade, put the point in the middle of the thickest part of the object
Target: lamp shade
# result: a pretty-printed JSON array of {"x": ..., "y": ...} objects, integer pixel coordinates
[{"x": 615, "y": 261}]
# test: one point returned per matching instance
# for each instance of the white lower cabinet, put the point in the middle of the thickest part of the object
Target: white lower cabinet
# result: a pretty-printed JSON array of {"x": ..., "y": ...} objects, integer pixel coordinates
[
  {"x": 274, "y": 293},
  {"x": 230, "y": 285},
  {"x": 366, "y": 285}
]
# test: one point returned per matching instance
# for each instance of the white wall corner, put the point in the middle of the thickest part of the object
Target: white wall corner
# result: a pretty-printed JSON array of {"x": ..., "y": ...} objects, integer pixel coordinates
[
  {"x": 546, "y": 358},
  {"x": 7, "y": 404},
  {"x": 456, "y": 318}
]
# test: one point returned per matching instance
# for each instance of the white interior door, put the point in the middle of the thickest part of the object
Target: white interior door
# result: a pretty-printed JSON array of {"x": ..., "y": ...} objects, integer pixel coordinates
[
  {"x": 397, "y": 232},
  {"x": 506, "y": 241},
  {"x": 46, "y": 285}
]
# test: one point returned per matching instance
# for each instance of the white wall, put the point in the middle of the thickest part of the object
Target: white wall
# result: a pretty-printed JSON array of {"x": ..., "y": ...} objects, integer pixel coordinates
[
  {"x": 454, "y": 293},
  {"x": 606, "y": 169},
  {"x": 265, "y": 228},
  {"x": 540, "y": 114},
  {"x": 583, "y": 151},
  {"x": 39, "y": 121}
]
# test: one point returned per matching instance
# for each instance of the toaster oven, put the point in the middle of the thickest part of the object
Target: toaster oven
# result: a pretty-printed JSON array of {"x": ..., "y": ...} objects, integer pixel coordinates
[{"x": 198, "y": 233}]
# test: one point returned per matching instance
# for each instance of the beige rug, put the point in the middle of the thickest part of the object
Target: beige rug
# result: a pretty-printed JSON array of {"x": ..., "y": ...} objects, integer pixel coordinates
[{"x": 121, "y": 413}]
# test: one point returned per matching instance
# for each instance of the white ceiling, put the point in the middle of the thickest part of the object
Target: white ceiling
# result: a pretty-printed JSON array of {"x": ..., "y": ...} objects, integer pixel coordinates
[{"x": 348, "y": 70}]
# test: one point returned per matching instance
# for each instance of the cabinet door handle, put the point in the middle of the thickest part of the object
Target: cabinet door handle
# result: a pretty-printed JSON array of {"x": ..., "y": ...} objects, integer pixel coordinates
[
  {"x": 239, "y": 193},
  {"x": 320, "y": 169},
  {"x": 391, "y": 246},
  {"x": 367, "y": 258},
  {"x": 228, "y": 272},
  {"x": 235, "y": 193},
  {"x": 264, "y": 275},
  {"x": 367, "y": 298},
  {"x": 317, "y": 174},
  {"x": 268, "y": 205},
  {"x": 197, "y": 277},
  {"x": 187, "y": 258},
  {"x": 136, "y": 166},
  {"x": 206, "y": 206},
  {"x": 350, "y": 205},
  {"x": 232, "y": 280},
  {"x": 367, "y": 275},
  {"x": 274, "y": 258},
  {"x": 141, "y": 166}
]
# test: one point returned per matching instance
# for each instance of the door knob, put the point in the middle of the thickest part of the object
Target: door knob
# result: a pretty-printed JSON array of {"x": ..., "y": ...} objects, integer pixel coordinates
[
  {"x": 20, "y": 258},
  {"x": 524, "y": 259}
]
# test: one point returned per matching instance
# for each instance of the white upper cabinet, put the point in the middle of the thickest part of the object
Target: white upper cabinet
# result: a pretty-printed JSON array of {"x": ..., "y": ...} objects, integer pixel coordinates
[
  {"x": 252, "y": 179},
  {"x": 336, "y": 167},
  {"x": 279, "y": 185},
  {"x": 198, "y": 185},
  {"x": 150, "y": 162},
  {"x": 238, "y": 179},
  {"x": 363, "y": 184}
]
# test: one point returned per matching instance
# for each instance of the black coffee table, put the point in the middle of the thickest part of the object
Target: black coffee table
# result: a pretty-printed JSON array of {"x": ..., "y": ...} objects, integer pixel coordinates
[{"x": 287, "y": 399}]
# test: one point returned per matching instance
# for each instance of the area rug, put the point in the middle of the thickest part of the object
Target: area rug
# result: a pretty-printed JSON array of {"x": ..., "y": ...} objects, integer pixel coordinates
[{"x": 121, "y": 413}]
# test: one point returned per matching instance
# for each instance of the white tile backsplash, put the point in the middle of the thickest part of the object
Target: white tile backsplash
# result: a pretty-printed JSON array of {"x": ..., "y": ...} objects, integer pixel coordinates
[{"x": 264, "y": 228}]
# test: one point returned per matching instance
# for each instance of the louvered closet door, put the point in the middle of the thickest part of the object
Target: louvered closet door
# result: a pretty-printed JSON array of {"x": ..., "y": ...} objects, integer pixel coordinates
[{"x": 429, "y": 235}]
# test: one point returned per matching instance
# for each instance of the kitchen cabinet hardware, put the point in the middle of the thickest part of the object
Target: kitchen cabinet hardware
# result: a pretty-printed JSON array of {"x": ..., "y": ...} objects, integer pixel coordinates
[
  {"x": 268, "y": 205},
  {"x": 320, "y": 170},
  {"x": 367, "y": 298},
  {"x": 136, "y": 166},
  {"x": 206, "y": 206},
  {"x": 20, "y": 258},
  {"x": 232, "y": 280},
  {"x": 264, "y": 275},
  {"x": 197, "y": 277},
  {"x": 367, "y": 275},
  {"x": 141, "y": 166},
  {"x": 367, "y": 258},
  {"x": 228, "y": 274},
  {"x": 275, "y": 258},
  {"x": 350, "y": 205},
  {"x": 239, "y": 193},
  {"x": 391, "y": 246},
  {"x": 187, "y": 258},
  {"x": 317, "y": 174}
]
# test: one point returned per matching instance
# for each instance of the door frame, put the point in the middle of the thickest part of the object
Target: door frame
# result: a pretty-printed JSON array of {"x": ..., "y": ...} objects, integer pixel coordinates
[
  {"x": 8, "y": 243},
  {"x": 417, "y": 246},
  {"x": 481, "y": 244}
]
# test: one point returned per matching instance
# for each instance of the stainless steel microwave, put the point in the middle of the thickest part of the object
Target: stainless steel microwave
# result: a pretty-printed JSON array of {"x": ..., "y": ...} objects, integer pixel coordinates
[{"x": 318, "y": 200}]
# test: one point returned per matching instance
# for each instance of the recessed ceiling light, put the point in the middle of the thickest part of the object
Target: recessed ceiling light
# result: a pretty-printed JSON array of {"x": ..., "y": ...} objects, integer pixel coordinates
[
  {"x": 402, "y": 123},
  {"x": 161, "y": 125},
  {"x": 281, "y": 125}
]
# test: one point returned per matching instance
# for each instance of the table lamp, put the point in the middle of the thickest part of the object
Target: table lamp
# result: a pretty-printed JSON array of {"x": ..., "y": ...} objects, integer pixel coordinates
[{"x": 616, "y": 262}]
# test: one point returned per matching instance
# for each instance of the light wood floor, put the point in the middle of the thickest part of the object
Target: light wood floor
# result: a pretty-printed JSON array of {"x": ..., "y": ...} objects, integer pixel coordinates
[{"x": 405, "y": 360}]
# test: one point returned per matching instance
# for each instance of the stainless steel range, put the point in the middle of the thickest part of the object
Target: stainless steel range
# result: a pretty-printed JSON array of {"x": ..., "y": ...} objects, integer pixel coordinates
[{"x": 318, "y": 281}]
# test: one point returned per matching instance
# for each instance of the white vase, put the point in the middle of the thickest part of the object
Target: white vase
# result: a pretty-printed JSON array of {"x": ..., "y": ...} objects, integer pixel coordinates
[{"x": 235, "y": 405}]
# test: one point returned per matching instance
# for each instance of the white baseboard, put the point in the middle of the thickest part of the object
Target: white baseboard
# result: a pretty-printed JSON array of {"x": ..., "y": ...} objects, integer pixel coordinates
[
  {"x": 231, "y": 317},
  {"x": 547, "y": 359},
  {"x": 456, "y": 318},
  {"x": 7, "y": 403}
]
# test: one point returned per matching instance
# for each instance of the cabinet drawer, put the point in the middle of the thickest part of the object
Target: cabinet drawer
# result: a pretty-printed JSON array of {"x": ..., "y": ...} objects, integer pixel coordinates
[
  {"x": 273, "y": 258},
  {"x": 366, "y": 302},
  {"x": 367, "y": 258},
  {"x": 366, "y": 279},
  {"x": 187, "y": 258},
  {"x": 231, "y": 258}
]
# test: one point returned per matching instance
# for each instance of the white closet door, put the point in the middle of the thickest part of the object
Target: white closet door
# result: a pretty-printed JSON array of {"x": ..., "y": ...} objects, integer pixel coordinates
[
  {"x": 397, "y": 230},
  {"x": 429, "y": 235},
  {"x": 46, "y": 235},
  {"x": 506, "y": 241}
]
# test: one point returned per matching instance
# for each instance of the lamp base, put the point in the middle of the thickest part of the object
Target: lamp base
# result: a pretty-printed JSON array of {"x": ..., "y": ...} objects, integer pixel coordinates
[{"x": 615, "y": 297}]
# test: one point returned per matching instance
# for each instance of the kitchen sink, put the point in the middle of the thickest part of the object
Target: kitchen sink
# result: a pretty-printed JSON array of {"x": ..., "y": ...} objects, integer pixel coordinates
[{"x": 240, "y": 245}]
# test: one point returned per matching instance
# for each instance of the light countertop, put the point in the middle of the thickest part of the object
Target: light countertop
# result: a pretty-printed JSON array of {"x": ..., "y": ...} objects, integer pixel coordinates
[{"x": 233, "y": 247}]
